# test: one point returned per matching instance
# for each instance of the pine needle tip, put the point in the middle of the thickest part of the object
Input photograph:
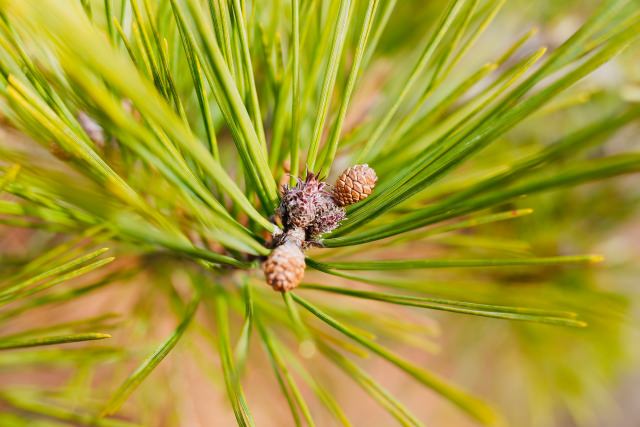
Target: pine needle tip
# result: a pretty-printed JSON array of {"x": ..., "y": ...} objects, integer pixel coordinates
[{"x": 596, "y": 259}]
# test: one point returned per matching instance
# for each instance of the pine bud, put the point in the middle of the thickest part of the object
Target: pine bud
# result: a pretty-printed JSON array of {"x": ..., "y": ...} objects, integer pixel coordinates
[
  {"x": 355, "y": 184},
  {"x": 284, "y": 268},
  {"x": 298, "y": 205}
]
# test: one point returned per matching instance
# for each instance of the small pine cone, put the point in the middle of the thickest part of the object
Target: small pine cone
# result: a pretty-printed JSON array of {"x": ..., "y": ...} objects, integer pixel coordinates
[
  {"x": 300, "y": 210},
  {"x": 284, "y": 268},
  {"x": 297, "y": 207},
  {"x": 355, "y": 184}
]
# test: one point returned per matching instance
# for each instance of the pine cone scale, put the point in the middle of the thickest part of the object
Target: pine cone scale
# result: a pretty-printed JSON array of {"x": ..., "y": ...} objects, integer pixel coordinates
[
  {"x": 354, "y": 185},
  {"x": 284, "y": 268}
]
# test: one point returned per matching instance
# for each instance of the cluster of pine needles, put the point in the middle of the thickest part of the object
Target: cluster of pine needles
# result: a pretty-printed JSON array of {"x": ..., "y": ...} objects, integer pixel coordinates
[{"x": 144, "y": 143}]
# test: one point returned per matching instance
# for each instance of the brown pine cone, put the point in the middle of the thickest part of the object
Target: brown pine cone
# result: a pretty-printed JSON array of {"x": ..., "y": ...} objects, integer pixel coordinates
[
  {"x": 355, "y": 184},
  {"x": 284, "y": 268}
]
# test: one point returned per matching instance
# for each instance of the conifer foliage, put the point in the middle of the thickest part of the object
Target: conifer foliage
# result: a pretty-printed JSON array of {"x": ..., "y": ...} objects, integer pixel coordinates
[{"x": 202, "y": 153}]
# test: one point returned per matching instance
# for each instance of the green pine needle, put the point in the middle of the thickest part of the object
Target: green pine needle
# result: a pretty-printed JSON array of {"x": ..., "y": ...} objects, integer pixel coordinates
[
  {"x": 164, "y": 129},
  {"x": 11, "y": 344},
  {"x": 137, "y": 377}
]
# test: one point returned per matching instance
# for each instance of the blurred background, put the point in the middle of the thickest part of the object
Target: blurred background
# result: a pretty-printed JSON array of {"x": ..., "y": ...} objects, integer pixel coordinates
[{"x": 537, "y": 375}]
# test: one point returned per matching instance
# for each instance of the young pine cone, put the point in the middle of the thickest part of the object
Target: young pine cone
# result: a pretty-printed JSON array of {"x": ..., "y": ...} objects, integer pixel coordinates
[
  {"x": 298, "y": 205},
  {"x": 284, "y": 268},
  {"x": 355, "y": 184}
]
